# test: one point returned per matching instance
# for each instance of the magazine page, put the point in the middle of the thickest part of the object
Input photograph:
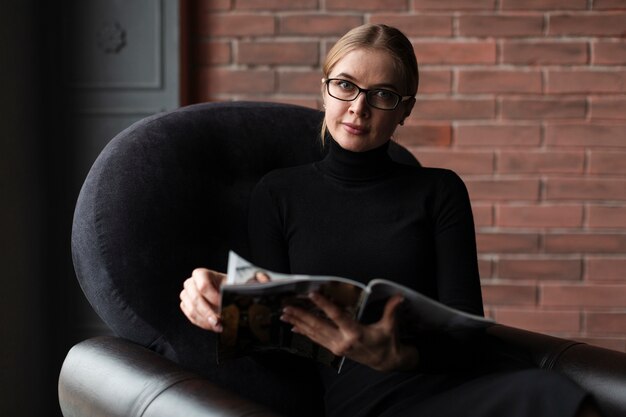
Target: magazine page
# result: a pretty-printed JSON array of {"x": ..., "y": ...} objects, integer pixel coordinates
[
  {"x": 242, "y": 271},
  {"x": 251, "y": 310},
  {"x": 419, "y": 313}
]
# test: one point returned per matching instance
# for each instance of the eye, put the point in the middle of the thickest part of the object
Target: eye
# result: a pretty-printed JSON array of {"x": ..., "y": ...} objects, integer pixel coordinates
[
  {"x": 344, "y": 85},
  {"x": 384, "y": 94}
]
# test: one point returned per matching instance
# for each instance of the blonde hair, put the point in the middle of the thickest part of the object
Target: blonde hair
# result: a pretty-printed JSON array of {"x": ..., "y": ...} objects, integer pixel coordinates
[{"x": 376, "y": 37}]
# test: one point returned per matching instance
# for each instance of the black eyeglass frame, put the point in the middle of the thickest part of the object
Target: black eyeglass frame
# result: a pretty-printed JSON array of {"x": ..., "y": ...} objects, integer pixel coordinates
[{"x": 399, "y": 97}]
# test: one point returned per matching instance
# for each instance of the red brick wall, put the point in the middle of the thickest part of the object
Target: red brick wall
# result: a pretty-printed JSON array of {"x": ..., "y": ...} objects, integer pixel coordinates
[{"x": 525, "y": 99}]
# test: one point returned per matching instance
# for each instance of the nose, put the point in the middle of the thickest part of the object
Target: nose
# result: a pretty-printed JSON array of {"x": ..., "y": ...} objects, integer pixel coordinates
[{"x": 359, "y": 105}]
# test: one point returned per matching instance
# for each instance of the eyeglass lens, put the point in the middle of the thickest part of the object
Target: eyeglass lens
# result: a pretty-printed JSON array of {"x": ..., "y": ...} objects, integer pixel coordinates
[{"x": 348, "y": 91}]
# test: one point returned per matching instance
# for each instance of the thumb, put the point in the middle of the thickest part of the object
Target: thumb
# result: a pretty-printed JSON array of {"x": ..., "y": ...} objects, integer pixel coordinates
[
  {"x": 389, "y": 314},
  {"x": 262, "y": 277}
]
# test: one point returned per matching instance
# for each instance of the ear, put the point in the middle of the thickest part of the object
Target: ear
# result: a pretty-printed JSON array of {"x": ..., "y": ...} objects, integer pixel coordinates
[{"x": 408, "y": 107}]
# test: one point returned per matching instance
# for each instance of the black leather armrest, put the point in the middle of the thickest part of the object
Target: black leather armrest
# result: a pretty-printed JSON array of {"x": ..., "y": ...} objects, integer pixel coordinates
[
  {"x": 109, "y": 376},
  {"x": 602, "y": 372}
]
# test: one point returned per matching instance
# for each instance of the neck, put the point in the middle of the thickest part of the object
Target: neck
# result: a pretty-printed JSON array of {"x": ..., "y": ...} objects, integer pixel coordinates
[{"x": 348, "y": 165}]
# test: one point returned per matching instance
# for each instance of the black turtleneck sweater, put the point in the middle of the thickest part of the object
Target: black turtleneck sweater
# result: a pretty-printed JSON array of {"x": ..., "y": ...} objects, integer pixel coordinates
[
  {"x": 363, "y": 216},
  {"x": 360, "y": 215}
]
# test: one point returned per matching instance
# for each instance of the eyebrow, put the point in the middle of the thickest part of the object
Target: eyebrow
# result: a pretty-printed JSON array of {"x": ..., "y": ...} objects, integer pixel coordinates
[{"x": 351, "y": 78}]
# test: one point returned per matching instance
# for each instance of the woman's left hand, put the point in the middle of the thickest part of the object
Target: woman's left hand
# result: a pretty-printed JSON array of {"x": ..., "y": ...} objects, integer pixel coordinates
[{"x": 375, "y": 345}]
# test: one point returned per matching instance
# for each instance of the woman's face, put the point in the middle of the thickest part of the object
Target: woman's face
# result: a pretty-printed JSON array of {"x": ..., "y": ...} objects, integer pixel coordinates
[{"x": 355, "y": 125}]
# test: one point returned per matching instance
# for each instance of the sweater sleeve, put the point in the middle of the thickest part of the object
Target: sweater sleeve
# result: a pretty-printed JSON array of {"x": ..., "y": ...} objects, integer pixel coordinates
[
  {"x": 458, "y": 281},
  {"x": 266, "y": 230}
]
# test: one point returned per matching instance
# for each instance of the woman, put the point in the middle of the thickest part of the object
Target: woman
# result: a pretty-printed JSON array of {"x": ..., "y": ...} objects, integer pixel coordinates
[{"x": 360, "y": 215}]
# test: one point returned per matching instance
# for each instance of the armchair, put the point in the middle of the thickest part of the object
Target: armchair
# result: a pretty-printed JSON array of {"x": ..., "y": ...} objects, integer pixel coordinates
[{"x": 169, "y": 194}]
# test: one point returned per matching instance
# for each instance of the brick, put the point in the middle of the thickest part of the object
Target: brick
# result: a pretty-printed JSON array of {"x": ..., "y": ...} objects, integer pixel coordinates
[
  {"x": 501, "y": 25},
  {"x": 454, "y": 5},
  {"x": 499, "y": 81},
  {"x": 607, "y": 162},
  {"x": 424, "y": 135},
  {"x": 585, "y": 243},
  {"x": 559, "y": 295},
  {"x": 521, "y": 108},
  {"x": 501, "y": 294},
  {"x": 612, "y": 217},
  {"x": 236, "y": 25},
  {"x": 455, "y": 52},
  {"x": 542, "y": 53},
  {"x": 584, "y": 81},
  {"x": 543, "y": 4},
  {"x": 483, "y": 215},
  {"x": 608, "y": 4},
  {"x": 490, "y": 312},
  {"x": 606, "y": 323},
  {"x": 503, "y": 189},
  {"x": 585, "y": 189},
  {"x": 367, "y": 5},
  {"x": 485, "y": 268},
  {"x": 278, "y": 53},
  {"x": 213, "y": 53},
  {"x": 498, "y": 135},
  {"x": 299, "y": 82},
  {"x": 588, "y": 135},
  {"x": 327, "y": 45},
  {"x": 416, "y": 25},
  {"x": 281, "y": 5},
  {"x": 222, "y": 81},
  {"x": 540, "y": 320},
  {"x": 447, "y": 109},
  {"x": 603, "y": 269},
  {"x": 609, "y": 53},
  {"x": 613, "y": 343},
  {"x": 459, "y": 161},
  {"x": 589, "y": 24},
  {"x": 540, "y": 269},
  {"x": 317, "y": 24},
  {"x": 608, "y": 108},
  {"x": 435, "y": 81},
  {"x": 214, "y": 5},
  {"x": 507, "y": 242},
  {"x": 528, "y": 216},
  {"x": 202, "y": 94},
  {"x": 540, "y": 162}
]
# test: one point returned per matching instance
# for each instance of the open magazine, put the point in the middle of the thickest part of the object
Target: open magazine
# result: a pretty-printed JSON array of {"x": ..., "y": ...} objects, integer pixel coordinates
[{"x": 251, "y": 311}]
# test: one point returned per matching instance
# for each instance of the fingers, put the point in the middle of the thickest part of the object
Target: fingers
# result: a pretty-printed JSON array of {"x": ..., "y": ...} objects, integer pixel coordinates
[
  {"x": 262, "y": 277},
  {"x": 197, "y": 309},
  {"x": 337, "y": 331},
  {"x": 388, "y": 320},
  {"x": 200, "y": 299},
  {"x": 316, "y": 328},
  {"x": 208, "y": 283},
  {"x": 307, "y": 321},
  {"x": 332, "y": 311},
  {"x": 259, "y": 277},
  {"x": 375, "y": 345}
]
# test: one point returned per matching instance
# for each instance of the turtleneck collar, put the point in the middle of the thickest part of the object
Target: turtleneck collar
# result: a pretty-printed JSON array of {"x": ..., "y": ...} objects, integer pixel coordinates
[{"x": 348, "y": 165}]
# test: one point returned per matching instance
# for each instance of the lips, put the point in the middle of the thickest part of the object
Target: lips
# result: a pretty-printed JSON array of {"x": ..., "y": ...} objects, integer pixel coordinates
[{"x": 355, "y": 129}]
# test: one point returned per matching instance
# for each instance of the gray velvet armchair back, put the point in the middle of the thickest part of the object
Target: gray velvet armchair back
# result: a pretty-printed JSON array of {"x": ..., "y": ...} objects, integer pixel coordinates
[{"x": 170, "y": 194}]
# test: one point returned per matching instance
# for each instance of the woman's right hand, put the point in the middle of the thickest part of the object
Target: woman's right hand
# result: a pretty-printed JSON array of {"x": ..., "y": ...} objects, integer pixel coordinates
[{"x": 200, "y": 298}]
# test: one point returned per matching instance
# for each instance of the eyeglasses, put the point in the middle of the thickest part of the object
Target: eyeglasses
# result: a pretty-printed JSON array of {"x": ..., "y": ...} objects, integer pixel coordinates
[{"x": 378, "y": 98}]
